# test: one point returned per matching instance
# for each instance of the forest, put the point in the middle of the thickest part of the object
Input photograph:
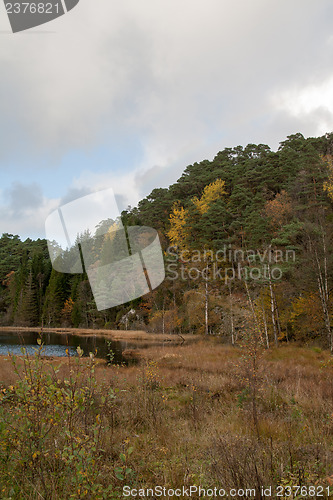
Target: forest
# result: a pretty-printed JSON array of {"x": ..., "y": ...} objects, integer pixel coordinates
[
  {"x": 247, "y": 240},
  {"x": 240, "y": 399}
]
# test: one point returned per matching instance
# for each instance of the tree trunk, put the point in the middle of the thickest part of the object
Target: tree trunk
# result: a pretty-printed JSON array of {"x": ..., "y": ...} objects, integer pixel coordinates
[
  {"x": 265, "y": 324},
  {"x": 272, "y": 307},
  {"x": 206, "y": 307},
  {"x": 231, "y": 318},
  {"x": 322, "y": 280}
]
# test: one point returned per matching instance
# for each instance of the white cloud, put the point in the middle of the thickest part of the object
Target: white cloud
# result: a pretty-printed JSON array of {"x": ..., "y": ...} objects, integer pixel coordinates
[
  {"x": 183, "y": 79},
  {"x": 312, "y": 102},
  {"x": 127, "y": 186},
  {"x": 169, "y": 71}
]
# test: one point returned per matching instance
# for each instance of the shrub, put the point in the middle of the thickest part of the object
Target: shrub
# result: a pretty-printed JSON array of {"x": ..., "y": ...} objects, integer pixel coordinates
[{"x": 52, "y": 429}]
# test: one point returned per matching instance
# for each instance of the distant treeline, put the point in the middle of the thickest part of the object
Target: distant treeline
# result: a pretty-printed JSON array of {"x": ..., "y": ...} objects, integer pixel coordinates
[{"x": 247, "y": 239}]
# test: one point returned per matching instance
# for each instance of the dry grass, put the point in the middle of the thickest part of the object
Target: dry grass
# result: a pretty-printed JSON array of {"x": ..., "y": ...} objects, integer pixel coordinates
[
  {"x": 187, "y": 413},
  {"x": 111, "y": 334}
]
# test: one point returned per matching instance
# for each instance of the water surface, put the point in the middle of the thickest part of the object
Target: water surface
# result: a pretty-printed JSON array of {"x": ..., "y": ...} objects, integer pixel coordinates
[{"x": 56, "y": 344}]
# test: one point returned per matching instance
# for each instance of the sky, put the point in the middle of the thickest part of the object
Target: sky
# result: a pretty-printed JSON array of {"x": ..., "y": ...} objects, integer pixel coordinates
[{"x": 125, "y": 95}]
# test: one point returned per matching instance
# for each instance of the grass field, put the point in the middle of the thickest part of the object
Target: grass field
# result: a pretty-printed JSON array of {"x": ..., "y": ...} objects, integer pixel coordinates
[
  {"x": 100, "y": 332},
  {"x": 203, "y": 414}
]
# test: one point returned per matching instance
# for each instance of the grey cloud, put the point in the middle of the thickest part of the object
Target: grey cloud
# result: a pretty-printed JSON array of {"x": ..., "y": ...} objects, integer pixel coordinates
[
  {"x": 76, "y": 193},
  {"x": 184, "y": 80},
  {"x": 147, "y": 179},
  {"x": 171, "y": 76},
  {"x": 23, "y": 210},
  {"x": 73, "y": 194},
  {"x": 21, "y": 197},
  {"x": 122, "y": 202}
]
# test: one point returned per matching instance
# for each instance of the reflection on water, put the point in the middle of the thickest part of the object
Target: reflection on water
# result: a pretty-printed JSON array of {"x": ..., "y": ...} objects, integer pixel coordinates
[
  {"x": 49, "y": 350},
  {"x": 56, "y": 344}
]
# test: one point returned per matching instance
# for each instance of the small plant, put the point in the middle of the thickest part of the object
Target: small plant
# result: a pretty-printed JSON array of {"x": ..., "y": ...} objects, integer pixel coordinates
[
  {"x": 250, "y": 373},
  {"x": 243, "y": 397},
  {"x": 110, "y": 354},
  {"x": 152, "y": 375},
  {"x": 51, "y": 432},
  {"x": 123, "y": 471}
]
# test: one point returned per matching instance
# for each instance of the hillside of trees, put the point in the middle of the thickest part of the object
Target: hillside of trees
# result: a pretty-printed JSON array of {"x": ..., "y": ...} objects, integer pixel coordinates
[{"x": 247, "y": 240}]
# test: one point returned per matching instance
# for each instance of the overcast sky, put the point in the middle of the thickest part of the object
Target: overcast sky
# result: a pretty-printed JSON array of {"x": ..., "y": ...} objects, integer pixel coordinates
[{"x": 126, "y": 94}]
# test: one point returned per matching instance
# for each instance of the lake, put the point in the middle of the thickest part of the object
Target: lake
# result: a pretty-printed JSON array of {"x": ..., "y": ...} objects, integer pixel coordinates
[{"x": 56, "y": 344}]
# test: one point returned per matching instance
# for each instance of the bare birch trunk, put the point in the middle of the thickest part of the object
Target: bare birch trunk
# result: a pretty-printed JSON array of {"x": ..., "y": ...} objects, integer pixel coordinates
[
  {"x": 272, "y": 307},
  {"x": 231, "y": 318},
  {"x": 206, "y": 306},
  {"x": 322, "y": 280},
  {"x": 265, "y": 324}
]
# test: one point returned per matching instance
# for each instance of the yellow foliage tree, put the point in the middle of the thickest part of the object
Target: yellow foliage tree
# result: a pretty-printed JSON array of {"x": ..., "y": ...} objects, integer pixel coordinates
[
  {"x": 328, "y": 185},
  {"x": 306, "y": 314},
  {"x": 67, "y": 310},
  {"x": 211, "y": 193},
  {"x": 177, "y": 232},
  {"x": 165, "y": 321},
  {"x": 112, "y": 231}
]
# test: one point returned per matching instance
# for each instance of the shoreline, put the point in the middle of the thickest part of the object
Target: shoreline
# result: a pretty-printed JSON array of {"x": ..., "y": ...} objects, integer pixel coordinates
[{"x": 111, "y": 334}]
